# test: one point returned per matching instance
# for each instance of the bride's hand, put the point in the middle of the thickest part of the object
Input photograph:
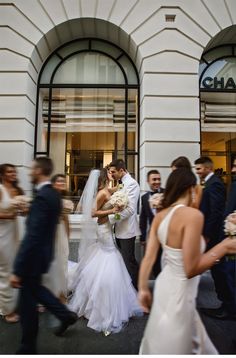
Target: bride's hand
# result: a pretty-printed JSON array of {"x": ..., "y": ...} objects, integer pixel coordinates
[
  {"x": 230, "y": 245},
  {"x": 115, "y": 210},
  {"x": 145, "y": 299}
]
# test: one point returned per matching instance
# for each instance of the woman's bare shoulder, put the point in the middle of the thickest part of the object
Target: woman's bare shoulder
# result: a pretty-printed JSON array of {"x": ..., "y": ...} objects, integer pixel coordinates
[{"x": 188, "y": 212}]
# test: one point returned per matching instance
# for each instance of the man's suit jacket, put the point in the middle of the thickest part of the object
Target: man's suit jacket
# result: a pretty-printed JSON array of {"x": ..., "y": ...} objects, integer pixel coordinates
[
  {"x": 146, "y": 215},
  {"x": 213, "y": 206},
  {"x": 128, "y": 227},
  {"x": 231, "y": 201},
  {"x": 37, "y": 248}
]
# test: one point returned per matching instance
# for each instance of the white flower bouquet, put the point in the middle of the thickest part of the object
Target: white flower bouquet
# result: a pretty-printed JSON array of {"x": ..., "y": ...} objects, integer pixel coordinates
[
  {"x": 67, "y": 206},
  {"x": 120, "y": 199},
  {"x": 230, "y": 229},
  {"x": 156, "y": 200}
]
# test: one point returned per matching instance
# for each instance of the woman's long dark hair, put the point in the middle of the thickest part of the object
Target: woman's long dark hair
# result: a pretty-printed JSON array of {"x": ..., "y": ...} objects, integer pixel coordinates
[
  {"x": 3, "y": 169},
  {"x": 181, "y": 162},
  {"x": 178, "y": 182},
  {"x": 103, "y": 178}
]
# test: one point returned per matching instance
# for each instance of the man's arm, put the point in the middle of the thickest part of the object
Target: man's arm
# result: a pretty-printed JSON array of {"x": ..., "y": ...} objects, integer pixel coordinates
[
  {"x": 217, "y": 203},
  {"x": 143, "y": 221},
  {"x": 231, "y": 202}
]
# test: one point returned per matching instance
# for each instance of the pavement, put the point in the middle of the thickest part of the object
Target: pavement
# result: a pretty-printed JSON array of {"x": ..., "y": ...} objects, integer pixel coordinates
[{"x": 81, "y": 340}]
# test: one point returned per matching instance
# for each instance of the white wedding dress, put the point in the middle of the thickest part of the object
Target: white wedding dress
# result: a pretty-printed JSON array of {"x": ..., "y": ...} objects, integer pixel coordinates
[
  {"x": 174, "y": 326},
  {"x": 101, "y": 285},
  {"x": 56, "y": 278}
]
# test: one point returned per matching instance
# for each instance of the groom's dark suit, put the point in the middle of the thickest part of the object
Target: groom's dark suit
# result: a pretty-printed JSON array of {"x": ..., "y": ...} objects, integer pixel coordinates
[
  {"x": 212, "y": 206},
  {"x": 33, "y": 259},
  {"x": 145, "y": 221}
]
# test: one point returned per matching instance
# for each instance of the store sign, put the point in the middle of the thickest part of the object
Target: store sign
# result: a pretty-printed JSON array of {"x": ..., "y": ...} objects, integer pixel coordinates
[{"x": 219, "y": 83}]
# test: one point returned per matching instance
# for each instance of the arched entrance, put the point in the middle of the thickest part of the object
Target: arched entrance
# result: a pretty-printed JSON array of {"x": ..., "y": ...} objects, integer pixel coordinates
[
  {"x": 218, "y": 102},
  {"x": 87, "y": 109}
]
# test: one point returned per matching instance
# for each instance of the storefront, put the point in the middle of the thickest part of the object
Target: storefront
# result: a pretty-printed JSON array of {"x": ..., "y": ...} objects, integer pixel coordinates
[
  {"x": 218, "y": 106},
  {"x": 89, "y": 81}
]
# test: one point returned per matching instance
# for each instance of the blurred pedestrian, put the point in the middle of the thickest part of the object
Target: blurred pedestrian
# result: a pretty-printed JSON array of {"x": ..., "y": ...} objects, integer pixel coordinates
[{"x": 34, "y": 258}]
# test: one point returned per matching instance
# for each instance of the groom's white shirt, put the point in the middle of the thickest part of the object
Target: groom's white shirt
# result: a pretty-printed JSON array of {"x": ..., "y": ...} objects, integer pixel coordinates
[{"x": 128, "y": 226}]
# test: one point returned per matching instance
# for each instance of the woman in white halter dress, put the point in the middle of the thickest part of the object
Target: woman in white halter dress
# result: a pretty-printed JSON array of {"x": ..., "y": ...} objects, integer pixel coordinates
[
  {"x": 174, "y": 326},
  {"x": 101, "y": 285}
]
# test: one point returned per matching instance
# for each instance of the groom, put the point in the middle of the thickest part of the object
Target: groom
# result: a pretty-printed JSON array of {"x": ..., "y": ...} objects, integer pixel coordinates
[
  {"x": 127, "y": 227},
  {"x": 34, "y": 258}
]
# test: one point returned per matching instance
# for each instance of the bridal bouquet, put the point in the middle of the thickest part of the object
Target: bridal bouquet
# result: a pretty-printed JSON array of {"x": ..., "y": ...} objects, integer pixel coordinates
[
  {"x": 120, "y": 199},
  {"x": 156, "y": 200},
  {"x": 67, "y": 206},
  {"x": 230, "y": 229}
]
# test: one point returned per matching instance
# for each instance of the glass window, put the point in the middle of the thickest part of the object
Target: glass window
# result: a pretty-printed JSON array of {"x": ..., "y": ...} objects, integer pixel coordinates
[
  {"x": 49, "y": 68},
  {"x": 220, "y": 75},
  {"x": 129, "y": 70},
  {"x": 73, "y": 47},
  {"x": 87, "y": 130},
  {"x": 88, "y": 115},
  {"x": 42, "y": 123},
  {"x": 89, "y": 68}
]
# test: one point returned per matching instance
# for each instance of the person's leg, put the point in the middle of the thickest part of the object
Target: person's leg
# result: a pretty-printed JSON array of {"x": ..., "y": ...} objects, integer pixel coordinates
[
  {"x": 28, "y": 320},
  {"x": 224, "y": 278},
  {"x": 51, "y": 302},
  {"x": 127, "y": 249}
]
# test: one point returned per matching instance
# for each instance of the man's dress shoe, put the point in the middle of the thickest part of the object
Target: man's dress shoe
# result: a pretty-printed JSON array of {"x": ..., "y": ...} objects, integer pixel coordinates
[{"x": 72, "y": 319}]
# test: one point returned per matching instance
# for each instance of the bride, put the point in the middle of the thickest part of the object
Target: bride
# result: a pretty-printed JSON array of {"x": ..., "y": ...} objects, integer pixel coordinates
[
  {"x": 174, "y": 326},
  {"x": 101, "y": 285}
]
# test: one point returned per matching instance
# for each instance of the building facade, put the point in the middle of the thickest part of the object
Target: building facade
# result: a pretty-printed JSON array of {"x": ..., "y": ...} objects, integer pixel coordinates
[{"x": 86, "y": 81}]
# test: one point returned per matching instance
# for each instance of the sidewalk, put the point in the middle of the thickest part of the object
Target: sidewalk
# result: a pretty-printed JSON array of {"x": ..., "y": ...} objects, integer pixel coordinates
[{"x": 81, "y": 340}]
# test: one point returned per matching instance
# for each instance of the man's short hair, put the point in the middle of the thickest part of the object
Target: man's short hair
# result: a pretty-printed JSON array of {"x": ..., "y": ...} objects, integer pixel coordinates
[
  {"x": 206, "y": 161},
  {"x": 153, "y": 171},
  {"x": 45, "y": 164},
  {"x": 118, "y": 164}
]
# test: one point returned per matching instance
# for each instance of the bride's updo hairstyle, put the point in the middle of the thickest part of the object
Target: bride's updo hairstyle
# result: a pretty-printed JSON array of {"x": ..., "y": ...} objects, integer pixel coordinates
[
  {"x": 178, "y": 182},
  {"x": 102, "y": 179}
]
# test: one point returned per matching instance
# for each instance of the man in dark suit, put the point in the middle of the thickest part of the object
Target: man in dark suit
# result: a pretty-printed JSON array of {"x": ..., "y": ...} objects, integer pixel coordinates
[
  {"x": 226, "y": 268},
  {"x": 212, "y": 206},
  {"x": 147, "y": 213},
  {"x": 34, "y": 258}
]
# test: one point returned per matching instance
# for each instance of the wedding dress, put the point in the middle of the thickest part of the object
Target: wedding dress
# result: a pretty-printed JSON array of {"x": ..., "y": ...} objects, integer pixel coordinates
[
  {"x": 8, "y": 248},
  {"x": 174, "y": 326},
  {"x": 101, "y": 285},
  {"x": 56, "y": 278}
]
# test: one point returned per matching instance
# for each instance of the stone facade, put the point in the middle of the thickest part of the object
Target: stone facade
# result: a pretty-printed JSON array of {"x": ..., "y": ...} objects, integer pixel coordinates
[{"x": 165, "y": 52}]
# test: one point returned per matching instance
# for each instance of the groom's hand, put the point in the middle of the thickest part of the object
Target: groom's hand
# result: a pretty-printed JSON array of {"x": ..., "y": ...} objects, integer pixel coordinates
[{"x": 15, "y": 281}]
